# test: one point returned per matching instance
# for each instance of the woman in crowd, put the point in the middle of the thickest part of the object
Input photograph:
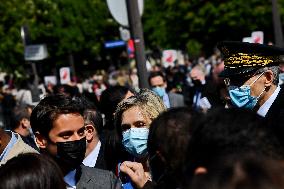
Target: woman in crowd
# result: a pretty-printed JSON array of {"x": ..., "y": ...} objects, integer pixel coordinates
[
  {"x": 108, "y": 103},
  {"x": 168, "y": 140},
  {"x": 133, "y": 117}
]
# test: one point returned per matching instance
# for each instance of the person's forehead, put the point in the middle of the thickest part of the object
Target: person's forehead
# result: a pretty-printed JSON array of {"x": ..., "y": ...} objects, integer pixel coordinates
[
  {"x": 157, "y": 79},
  {"x": 195, "y": 72},
  {"x": 70, "y": 121},
  {"x": 133, "y": 114}
]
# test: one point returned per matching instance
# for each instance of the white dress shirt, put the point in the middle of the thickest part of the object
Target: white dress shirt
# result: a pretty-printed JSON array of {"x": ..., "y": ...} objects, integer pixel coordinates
[
  {"x": 262, "y": 111},
  {"x": 91, "y": 159}
]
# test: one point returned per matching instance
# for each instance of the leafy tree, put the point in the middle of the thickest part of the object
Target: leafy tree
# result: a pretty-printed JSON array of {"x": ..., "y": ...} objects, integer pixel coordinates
[
  {"x": 182, "y": 23},
  {"x": 66, "y": 26}
]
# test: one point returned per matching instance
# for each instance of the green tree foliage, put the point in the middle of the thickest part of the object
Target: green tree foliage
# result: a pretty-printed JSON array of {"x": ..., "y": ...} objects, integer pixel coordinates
[
  {"x": 66, "y": 26},
  {"x": 81, "y": 27},
  {"x": 183, "y": 23}
]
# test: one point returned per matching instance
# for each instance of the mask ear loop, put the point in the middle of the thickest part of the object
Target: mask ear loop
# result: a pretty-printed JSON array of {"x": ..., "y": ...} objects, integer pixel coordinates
[
  {"x": 255, "y": 81},
  {"x": 257, "y": 78},
  {"x": 261, "y": 93}
]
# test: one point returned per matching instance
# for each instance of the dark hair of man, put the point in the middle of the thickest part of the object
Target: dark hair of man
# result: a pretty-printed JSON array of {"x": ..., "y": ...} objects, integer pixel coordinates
[
  {"x": 253, "y": 172},
  {"x": 168, "y": 140},
  {"x": 224, "y": 132},
  {"x": 31, "y": 171},
  {"x": 19, "y": 113},
  {"x": 91, "y": 114},
  {"x": 50, "y": 108},
  {"x": 156, "y": 74},
  {"x": 109, "y": 100},
  {"x": 93, "y": 117}
]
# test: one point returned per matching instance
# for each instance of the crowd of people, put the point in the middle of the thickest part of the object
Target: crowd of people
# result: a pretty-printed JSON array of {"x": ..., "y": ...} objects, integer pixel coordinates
[{"x": 206, "y": 124}]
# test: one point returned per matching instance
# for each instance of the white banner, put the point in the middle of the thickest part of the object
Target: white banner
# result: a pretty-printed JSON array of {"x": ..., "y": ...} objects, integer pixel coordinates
[
  {"x": 257, "y": 37},
  {"x": 65, "y": 76},
  {"x": 50, "y": 79},
  {"x": 169, "y": 57}
]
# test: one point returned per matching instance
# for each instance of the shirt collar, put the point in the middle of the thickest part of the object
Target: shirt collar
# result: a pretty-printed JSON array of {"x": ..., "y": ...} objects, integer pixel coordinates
[
  {"x": 166, "y": 100},
  {"x": 262, "y": 111},
  {"x": 70, "y": 179},
  {"x": 91, "y": 159},
  {"x": 10, "y": 145}
]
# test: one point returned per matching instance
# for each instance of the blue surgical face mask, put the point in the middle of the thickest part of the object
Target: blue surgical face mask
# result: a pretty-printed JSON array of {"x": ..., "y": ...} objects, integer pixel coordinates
[
  {"x": 241, "y": 96},
  {"x": 135, "y": 141},
  {"x": 160, "y": 91}
]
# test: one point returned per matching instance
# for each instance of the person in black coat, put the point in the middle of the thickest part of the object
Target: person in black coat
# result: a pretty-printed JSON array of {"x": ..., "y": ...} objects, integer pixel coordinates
[{"x": 252, "y": 75}]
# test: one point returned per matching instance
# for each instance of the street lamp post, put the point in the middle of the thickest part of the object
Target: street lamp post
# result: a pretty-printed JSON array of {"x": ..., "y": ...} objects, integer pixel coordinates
[{"x": 136, "y": 31}]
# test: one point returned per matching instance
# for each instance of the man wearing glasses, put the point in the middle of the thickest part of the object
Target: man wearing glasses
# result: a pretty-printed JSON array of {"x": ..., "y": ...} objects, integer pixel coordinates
[{"x": 252, "y": 74}]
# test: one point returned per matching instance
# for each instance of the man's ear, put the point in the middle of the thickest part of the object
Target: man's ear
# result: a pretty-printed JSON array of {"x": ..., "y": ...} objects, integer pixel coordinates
[
  {"x": 269, "y": 77},
  {"x": 40, "y": 140},
  {"x": 25, "y": 123},
  {"x": 90, "y": 132}
]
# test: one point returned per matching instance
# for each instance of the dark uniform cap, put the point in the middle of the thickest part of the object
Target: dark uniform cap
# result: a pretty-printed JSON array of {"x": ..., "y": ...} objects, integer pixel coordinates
[{"x": 244, "y": 58}]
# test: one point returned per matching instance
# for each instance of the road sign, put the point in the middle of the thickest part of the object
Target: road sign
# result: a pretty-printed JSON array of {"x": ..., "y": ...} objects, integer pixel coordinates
[
  {"x": 113, "y": 44},
  {"x": 35, "y": 52},
  {"x": 119, "y": 11}
]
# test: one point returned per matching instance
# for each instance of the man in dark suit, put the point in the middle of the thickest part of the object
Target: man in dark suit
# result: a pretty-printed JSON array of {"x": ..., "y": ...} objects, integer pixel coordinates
[
  {"x": 59, "y": 126},
  {"x": 95, "y": 145},
  {"x": 158, "y": 84},
  {"x": 203, "y": 95},
  {"x": 252, "y": 75}
]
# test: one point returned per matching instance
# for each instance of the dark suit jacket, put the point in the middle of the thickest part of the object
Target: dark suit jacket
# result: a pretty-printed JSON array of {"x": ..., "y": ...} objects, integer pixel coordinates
[
  {"x": 176, "y": 100},
  {"x": 101, "y": 162},
  {"x": 92, "y": 178},
  {"x": 208, "y": 90},
  {"x": 275, "y": 114}
]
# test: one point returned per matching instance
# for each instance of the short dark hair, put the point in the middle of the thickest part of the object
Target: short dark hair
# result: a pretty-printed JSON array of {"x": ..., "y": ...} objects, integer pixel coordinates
[
  {"x": 223, "y": 132},
  {"x": 169, "y": 136},
  {"x": 19, "y": 113},
  {"x": 251, "y": 172},
  {"x": 93, "y": 117},
  {"x": 33, "y": 171},
  {"x": 156, "y": 74},
  {"x": 110, "y": 99},
  {"x": 50, "y": 108},
  {"x": 91, "y": 114}
]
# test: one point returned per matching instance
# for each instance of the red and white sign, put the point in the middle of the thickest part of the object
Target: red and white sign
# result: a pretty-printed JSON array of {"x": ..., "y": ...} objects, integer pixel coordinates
[
  {"x": 257, "y": 37},
  {"x": 65, "y": 75},
  {"x": 169, "y": 57}
]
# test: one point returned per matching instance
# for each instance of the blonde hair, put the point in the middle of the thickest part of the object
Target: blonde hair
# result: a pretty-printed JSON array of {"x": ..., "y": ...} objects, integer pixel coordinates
[{"x": 148, "y": 102}]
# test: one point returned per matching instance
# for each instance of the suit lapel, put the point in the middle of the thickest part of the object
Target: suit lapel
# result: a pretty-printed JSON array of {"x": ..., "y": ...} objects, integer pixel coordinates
[{"x": 278, "y": 105}]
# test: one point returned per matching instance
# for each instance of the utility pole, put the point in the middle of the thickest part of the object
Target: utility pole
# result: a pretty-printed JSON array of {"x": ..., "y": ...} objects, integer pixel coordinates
[
  {"x": 277, "y": 24},
  {"x": 136, "y": 31},
  {"x": 26, "y": 41}
]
